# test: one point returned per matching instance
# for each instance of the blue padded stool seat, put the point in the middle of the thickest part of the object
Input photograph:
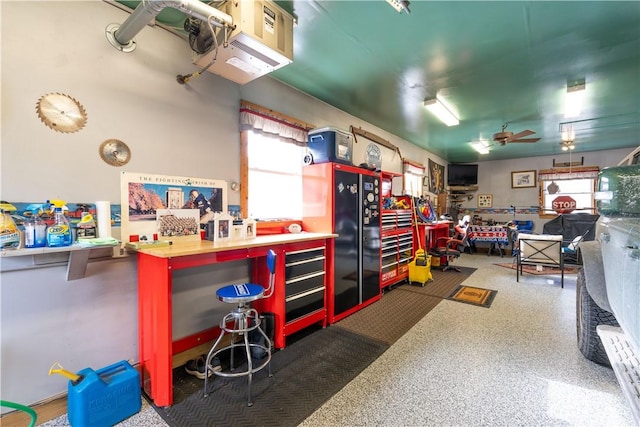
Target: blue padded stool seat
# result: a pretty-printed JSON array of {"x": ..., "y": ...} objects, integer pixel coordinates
[{"x": 245, "y": 292}]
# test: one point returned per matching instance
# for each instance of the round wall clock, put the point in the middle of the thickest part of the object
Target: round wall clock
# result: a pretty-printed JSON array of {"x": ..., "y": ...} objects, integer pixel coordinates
[
  {"x": 61, "y": 112},
  {"x": 115, "y": 152}
]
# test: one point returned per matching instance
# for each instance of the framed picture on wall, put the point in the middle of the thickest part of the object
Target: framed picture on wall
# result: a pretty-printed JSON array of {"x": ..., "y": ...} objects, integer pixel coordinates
[
  {"x": 485, "y": 200},
  {"x": 523, "y": 179}
]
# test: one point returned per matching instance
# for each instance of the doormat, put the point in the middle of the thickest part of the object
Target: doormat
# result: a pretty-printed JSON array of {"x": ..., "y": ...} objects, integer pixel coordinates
[
  {"x": 531, "y": 269},
  {"x": 474, "y": 296}
]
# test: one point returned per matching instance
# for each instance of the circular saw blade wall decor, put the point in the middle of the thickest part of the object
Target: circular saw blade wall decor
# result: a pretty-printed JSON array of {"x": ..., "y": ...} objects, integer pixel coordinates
[
  {"x": 61, "y": 112},
  {"x": 115, "y": 152}
]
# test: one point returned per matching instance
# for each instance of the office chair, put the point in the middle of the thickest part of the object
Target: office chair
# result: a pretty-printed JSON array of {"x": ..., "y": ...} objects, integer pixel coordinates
[{"x": 446, "y": 247}]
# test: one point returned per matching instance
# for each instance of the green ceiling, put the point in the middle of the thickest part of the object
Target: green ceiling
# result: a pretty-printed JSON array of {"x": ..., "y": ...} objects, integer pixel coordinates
[{"x": 494, "y": 61}]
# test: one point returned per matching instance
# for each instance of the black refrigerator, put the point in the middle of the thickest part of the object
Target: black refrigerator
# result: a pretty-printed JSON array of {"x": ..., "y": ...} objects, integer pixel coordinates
[{"x": 345, "y": 200}]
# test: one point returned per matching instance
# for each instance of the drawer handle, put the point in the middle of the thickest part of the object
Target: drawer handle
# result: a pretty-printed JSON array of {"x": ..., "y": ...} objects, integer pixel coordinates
[
  {"x": 305, "y": 277},
  {"x": 304, "y": 261},
  {"x": 319, "y": 248},
  {"x": 304, "y": 294}
]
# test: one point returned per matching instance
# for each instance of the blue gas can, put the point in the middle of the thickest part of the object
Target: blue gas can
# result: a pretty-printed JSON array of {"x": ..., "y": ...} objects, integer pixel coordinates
[{"x": 104, "y": 397}]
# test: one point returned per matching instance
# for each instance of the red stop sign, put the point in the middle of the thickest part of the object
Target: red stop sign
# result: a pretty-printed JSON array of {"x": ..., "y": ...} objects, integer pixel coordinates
[{"x": 563, "y": 204}]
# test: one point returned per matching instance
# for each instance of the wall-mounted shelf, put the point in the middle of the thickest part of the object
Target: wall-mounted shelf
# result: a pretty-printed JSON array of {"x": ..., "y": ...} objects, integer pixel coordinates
[
  {"x": 76, "y": 257},
  {"x": 459, "y": 194}
]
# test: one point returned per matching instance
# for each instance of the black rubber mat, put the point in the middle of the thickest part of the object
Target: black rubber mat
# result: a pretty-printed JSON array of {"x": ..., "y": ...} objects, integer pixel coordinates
[
  {"x": 391, "y": 317},
  {"x": 403, "y": 306},
  {"x": 305, "y": 374}
]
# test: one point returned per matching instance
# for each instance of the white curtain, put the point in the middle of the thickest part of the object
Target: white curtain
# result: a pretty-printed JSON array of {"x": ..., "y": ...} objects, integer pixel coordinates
[
  {"x": 559, "y": 175},
  {"x": 261, "y": 122},
  {"x": 413, "y": 168}
]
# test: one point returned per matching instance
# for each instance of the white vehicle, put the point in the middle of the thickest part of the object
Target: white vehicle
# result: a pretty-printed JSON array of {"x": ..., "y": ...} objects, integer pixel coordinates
[{"x": 608, "y": 286}]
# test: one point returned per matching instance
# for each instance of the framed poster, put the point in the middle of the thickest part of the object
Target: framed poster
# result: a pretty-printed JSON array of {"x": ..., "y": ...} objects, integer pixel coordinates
[
  {"x": 436, "y": 178},
  {"x": 485, "y": 200},
  {"x": 142, "y": 195},
  {"x": 523, "y": 179}
]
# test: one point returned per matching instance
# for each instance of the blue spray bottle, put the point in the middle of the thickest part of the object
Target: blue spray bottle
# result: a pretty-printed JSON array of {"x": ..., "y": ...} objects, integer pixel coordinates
[{"x": 59, "y": 233}]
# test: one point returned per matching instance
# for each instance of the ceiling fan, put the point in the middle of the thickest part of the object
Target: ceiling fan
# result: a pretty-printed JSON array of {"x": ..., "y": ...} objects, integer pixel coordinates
[{"x": 503, "y": 137}]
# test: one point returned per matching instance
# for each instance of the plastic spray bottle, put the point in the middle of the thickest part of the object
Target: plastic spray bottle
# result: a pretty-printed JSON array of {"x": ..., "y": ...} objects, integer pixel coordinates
[
  {"x": 86, "y": 227},
  {"x": 59, "y": 233},
  {"x": 35, "y": 233}
]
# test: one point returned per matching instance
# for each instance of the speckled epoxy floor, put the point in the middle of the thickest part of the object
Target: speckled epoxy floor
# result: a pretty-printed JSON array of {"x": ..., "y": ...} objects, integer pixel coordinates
[{"x": 515, "y": 363}]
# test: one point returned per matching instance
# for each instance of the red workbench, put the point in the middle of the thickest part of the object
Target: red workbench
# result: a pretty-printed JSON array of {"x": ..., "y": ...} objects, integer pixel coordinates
[{"x": 155, "y": 267}]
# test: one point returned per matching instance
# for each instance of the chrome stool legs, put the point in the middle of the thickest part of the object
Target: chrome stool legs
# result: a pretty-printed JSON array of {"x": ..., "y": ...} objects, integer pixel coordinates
[{"x": 243, "y": 320}]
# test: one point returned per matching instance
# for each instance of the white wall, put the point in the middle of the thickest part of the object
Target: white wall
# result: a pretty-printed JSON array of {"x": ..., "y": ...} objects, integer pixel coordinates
[
  {"x": 171, "y": 129},
  {"x": 494, "y": 177},
  {"x": 184, "y": 130}
]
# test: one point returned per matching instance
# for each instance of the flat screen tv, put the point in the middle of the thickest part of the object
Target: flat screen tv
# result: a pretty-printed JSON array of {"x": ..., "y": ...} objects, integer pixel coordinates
[{"x": 462, "y": 175}]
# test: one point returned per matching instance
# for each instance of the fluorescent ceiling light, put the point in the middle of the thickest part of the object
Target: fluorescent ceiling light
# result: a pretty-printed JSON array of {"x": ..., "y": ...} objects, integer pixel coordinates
[
  {"x": 568, "y": 135},
  {"x": 574, "y": 99},
  {"x": 438, "y": 109},
  {"x": 400, "y": 5},
  {"x": 481, "y": 146}
]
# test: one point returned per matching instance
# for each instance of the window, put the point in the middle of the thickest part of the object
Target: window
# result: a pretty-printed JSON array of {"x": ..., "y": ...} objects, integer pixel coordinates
[
  {"x": 274, "y": 177},
  {"x": 413, "y": 178},
  {"x": 272, "y": 146},
  {"x": 579, "y": 184},
  {"x": 413, "y": 184}
]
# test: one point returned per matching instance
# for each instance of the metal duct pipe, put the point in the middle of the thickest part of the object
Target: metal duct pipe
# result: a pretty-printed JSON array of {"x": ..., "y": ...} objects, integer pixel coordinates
[{"x": 121, "y": 36}]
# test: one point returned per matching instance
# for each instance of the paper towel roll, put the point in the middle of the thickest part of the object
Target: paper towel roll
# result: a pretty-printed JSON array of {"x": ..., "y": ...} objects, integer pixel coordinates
[{"x": 103, "y": 212}]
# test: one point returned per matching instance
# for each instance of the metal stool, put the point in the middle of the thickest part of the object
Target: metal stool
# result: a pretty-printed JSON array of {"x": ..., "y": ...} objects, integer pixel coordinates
[{"x": 243, "y": 319}]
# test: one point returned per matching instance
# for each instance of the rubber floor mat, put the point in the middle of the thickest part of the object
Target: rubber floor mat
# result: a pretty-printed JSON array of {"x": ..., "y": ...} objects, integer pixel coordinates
[
  {"x": 305, "y": 374},
  {"x": 391, "y": 317}
]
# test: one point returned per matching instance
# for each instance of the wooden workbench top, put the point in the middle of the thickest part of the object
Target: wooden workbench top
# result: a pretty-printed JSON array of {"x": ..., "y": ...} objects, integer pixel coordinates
[{"x": 196, "y": 247}]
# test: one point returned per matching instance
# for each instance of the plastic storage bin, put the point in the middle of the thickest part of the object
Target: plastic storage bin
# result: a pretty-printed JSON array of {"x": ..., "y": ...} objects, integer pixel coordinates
[{"x": 330, "y": 145}]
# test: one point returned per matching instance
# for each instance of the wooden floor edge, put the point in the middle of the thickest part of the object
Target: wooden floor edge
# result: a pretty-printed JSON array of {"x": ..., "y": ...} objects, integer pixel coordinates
[
  {"x": 56, "y": 406},
  {"x": 46, "y": 410}
]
